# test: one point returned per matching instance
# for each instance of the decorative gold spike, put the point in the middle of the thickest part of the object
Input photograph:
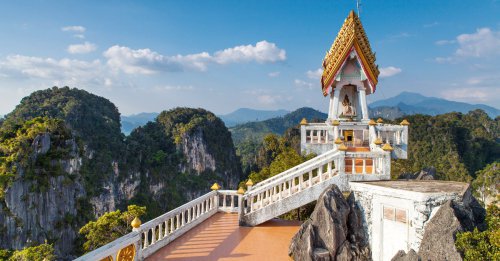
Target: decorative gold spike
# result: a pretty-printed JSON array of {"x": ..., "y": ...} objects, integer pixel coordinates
[
  {"x": 126, "y": 254},
  {"x": 378, "y": 141},
  {"x": 379, "y": 120},
  {"x": 335, "y": 123},
  {"x": 249, "y": 183},
  {"x": 342, "y": 147},
  {"x": 338, "y": 141},
  {"x": 136, "y": 223},
  {"x": 303, "y": 121},
  {"x": 215, "y": 186},
  {"x": 405, "y": 123},
  {"x": 372, "y": 123},
  {"x": 240, "y": 191},
  {"x": 387, "y": 147}
]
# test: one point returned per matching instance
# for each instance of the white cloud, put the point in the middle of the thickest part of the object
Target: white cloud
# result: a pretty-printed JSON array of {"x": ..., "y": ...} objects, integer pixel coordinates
[
  {"x": 445, "y": 42},
  {"x": 174, "y": 88},
  {"x": 302, "y": 83},
  {"x": 81, "y": 48},
  {"x": 79, "y": 36},
  {"x": 60, "y": 72},
  {"x": 273, "y": 74},
  {"x": 261, "y": 52},
  {"x": 74, "y": 28},
  {"x": 389, "y": 71},
  {"x": 431, "y": 25},
  {"x": 472, "y": 94},
  {"x": 315, "y": 75},
  {"x": 146, "y": 61},
  {"x": 482, "y": 43}
]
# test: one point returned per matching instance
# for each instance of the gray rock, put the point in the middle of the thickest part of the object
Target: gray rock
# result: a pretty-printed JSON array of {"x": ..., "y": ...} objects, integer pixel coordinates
[
  {"x": 402, "y": 256},
  {"x": 335, "y": 227}
]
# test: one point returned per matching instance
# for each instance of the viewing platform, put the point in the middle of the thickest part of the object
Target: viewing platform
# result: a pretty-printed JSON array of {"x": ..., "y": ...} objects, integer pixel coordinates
[{"x": 221, "y": 238}]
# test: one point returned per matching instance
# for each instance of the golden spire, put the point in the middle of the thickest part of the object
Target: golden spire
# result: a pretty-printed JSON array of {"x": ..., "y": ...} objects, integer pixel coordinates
[{"x": 351, "y": 36}]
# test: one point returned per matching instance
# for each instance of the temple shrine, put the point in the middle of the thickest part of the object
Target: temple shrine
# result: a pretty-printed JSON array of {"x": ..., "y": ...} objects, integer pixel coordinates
[{"x": 353, "y": 152}]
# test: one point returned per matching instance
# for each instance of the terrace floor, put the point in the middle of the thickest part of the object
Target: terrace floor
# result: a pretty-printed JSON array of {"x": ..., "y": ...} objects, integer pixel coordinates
[{"x": 220, "y": 238}]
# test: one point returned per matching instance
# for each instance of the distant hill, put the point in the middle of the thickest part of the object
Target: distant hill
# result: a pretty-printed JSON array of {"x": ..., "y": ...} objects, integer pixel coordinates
[
  {"x": 278, "y": 125},
  {"x": 245, "y": 115},
  {"x": 239, "y": 116},
  {"x": 131, "y": 122},
  {"x": 408, "y": 103}
]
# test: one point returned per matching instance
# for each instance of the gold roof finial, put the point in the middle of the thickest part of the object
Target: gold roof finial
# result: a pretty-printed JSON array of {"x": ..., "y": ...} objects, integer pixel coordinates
[
  {"x": 405, "y": 123},
  {"x": 303, "y": 121}
]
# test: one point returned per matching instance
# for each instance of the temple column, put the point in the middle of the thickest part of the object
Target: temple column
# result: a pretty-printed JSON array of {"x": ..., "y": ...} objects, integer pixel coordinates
[
  {"x": 330, "y": 108},
  {"x": 335, "y": 106},
  {"x": 362, "y": 101}
]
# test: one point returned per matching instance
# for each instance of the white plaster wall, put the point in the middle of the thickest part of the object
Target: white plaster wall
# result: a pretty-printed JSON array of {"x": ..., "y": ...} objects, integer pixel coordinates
[{"x": 420, "y": 206}]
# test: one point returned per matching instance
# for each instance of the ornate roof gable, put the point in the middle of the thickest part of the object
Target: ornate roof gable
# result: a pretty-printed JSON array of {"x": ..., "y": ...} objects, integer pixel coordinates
[{"x": 351, "y": 37}]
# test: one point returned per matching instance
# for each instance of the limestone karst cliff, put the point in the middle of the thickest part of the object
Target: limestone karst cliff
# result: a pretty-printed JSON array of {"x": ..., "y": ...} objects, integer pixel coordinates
[{"x": 64, "y": 161}]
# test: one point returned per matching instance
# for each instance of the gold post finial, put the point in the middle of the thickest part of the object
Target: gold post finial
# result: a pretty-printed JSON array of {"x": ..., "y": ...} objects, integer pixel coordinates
[
  {"x": 303, "y": 121},
  {"x": 240, "y": 191},
  {"x": 379, "y": 120},
  {"x": 335, "y": 123},
  {"x": 387, "y": 147},
  {"x": 342, "y": 147},
  {"x": 249, "y": 183},
  {"x": 215, "y": 186},
  {"x": 405, "y": 123},
  {"x": 338, "y": 141},
  {"x": 372, "y": 123},
  {"x": 136, "y": 223},
  {"x": 378, "y": 141}
]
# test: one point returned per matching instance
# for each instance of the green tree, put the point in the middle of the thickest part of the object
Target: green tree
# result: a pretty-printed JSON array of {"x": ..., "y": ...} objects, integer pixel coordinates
[
  {"x": 487, "y": 182},
  {"x": 43, "y": 252},
  {"x": 482, "y": 245},
  {"x": 109, "y": 227}
]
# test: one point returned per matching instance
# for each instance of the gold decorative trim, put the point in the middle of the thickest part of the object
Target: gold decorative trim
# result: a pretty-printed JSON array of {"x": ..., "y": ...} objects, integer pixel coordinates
[
  {"x": 126, "y": 254},
  {"x": 351, "y": 35},
  {"x": 108, "y": 258}
]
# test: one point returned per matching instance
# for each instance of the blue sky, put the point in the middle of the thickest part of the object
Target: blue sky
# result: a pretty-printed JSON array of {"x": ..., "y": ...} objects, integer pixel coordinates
[{"x": 149, "y": 56}]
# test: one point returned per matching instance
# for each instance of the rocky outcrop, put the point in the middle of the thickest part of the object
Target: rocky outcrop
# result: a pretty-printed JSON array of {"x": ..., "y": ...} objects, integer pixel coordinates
[
  {"x": 35, "y": 211},
  {"x": 424, "y": 174},
  {"x": 438, "y": 242},
  {"x": 333, "y": 232}
]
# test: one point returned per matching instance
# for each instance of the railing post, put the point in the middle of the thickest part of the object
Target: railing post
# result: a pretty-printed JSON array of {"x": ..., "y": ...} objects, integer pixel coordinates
[
  {"x": 353, "y": 165},
  {"x": 364, "y": 166},
  {"x": 320, "y": 173},
  {"x": 310, "y": 179}
]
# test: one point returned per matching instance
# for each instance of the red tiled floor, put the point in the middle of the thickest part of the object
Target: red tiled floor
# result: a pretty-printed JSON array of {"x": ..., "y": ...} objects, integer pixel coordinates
[{"x": 220, "y": 238}]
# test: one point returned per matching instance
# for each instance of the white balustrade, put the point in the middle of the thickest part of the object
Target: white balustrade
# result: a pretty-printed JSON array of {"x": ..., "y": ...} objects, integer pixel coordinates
[{"x": 285, "y": 185}]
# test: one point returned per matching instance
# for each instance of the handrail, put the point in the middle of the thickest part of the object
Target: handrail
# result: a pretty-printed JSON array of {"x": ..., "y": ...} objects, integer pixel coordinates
[
  {"x": 295, "y": 173},
  {"x": 177, "y": 210},
  {"x": 112, "y": 248},
  {"x": 301, "y": 165}
]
